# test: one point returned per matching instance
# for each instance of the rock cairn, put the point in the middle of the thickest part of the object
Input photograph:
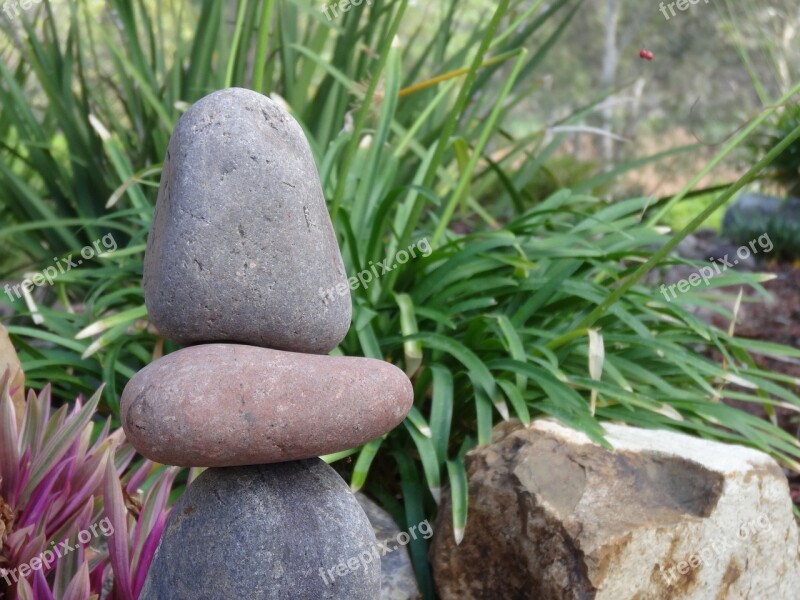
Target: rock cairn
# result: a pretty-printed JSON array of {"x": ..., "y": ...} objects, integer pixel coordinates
[{"x": 241, "y": 242}]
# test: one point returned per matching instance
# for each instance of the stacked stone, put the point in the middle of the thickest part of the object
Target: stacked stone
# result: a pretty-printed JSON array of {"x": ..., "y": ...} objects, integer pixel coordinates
[{"x": 240, "y": 245}]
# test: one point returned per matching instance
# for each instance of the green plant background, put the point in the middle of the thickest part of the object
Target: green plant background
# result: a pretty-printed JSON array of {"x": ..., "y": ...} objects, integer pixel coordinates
[{"x": 528, "y": 256}]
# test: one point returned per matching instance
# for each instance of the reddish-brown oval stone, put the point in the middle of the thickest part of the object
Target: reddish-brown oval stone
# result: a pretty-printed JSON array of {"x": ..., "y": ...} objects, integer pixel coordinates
[{"x": 219, "y": 405}]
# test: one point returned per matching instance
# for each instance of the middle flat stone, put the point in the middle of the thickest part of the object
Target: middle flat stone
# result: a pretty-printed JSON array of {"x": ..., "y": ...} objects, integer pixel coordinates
[{"x": 218, "y": 405}]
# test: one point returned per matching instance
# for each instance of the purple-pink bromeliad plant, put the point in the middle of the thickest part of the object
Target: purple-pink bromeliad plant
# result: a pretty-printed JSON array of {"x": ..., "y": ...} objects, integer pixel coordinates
[{"x": 74, "y": 523}]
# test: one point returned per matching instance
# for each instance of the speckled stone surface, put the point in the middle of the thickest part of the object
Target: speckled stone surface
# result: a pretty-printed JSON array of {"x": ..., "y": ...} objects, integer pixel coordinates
[
  {"x": 226, "y": 404},
  {"x": 267, "y": 532},
  {"x": 241, "y": 241},
  {"x": 658, "y": 516}
]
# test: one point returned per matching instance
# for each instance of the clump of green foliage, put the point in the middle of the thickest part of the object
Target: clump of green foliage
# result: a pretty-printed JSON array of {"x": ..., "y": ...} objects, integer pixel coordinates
[{"x": 785, "y": 169}]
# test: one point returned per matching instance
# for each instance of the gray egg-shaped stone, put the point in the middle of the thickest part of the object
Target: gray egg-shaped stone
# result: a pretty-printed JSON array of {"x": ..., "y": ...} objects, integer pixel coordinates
[
  {"x": 241, "y": 243},
  {"x": 284, "y": 531}
]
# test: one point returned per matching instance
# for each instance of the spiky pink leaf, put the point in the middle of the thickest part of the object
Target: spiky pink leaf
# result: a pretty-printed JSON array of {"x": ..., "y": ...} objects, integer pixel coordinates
[
  {"x": 32, "y": 546},
  {"x": 153, "y": 504},
  {"x": 24, "y": 590},
  {"x": 55, "y": 508},
  {"x": 67, "y": 567},
  {"x": 101, "y": 436},
  {"x": 29, "y": 419},
  {"x": 78, "y": 589},
  {"x": 22, "y": 478},
  {"x": 9, "y": 444},
  {"x": 85, "y": 439},
  {"x": 61, "y": 441},
  {"x": 41, "y": 589},
  {"x": 97, "y": 576},
  {"x": 40, "y": 499},
  {"x": 53, "y": 422},
  {"x": 114, "y": 508},
  {"x": 148, "y": 551},
  {"x": 38, "y": 427},
  {"x": 139, "y": 476},
  {"x": 81, "y": 520},
  {"x": 17, "y": 540},
  {"x": 125, "y": 454},
  {"x": 87, "y": 482},
  {"x": 194, "y": 473}
]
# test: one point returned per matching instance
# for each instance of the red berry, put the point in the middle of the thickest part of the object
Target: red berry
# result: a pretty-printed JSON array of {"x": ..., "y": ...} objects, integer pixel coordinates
[{"x": 646, "y": 54}]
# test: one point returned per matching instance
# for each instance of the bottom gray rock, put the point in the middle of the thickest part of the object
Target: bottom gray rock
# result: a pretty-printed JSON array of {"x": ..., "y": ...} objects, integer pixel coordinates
[{"x": 288, "y": 531}]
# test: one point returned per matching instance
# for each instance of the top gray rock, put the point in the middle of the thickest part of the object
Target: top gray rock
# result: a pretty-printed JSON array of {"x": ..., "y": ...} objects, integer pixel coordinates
[{"x": 242, "y": 241}]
